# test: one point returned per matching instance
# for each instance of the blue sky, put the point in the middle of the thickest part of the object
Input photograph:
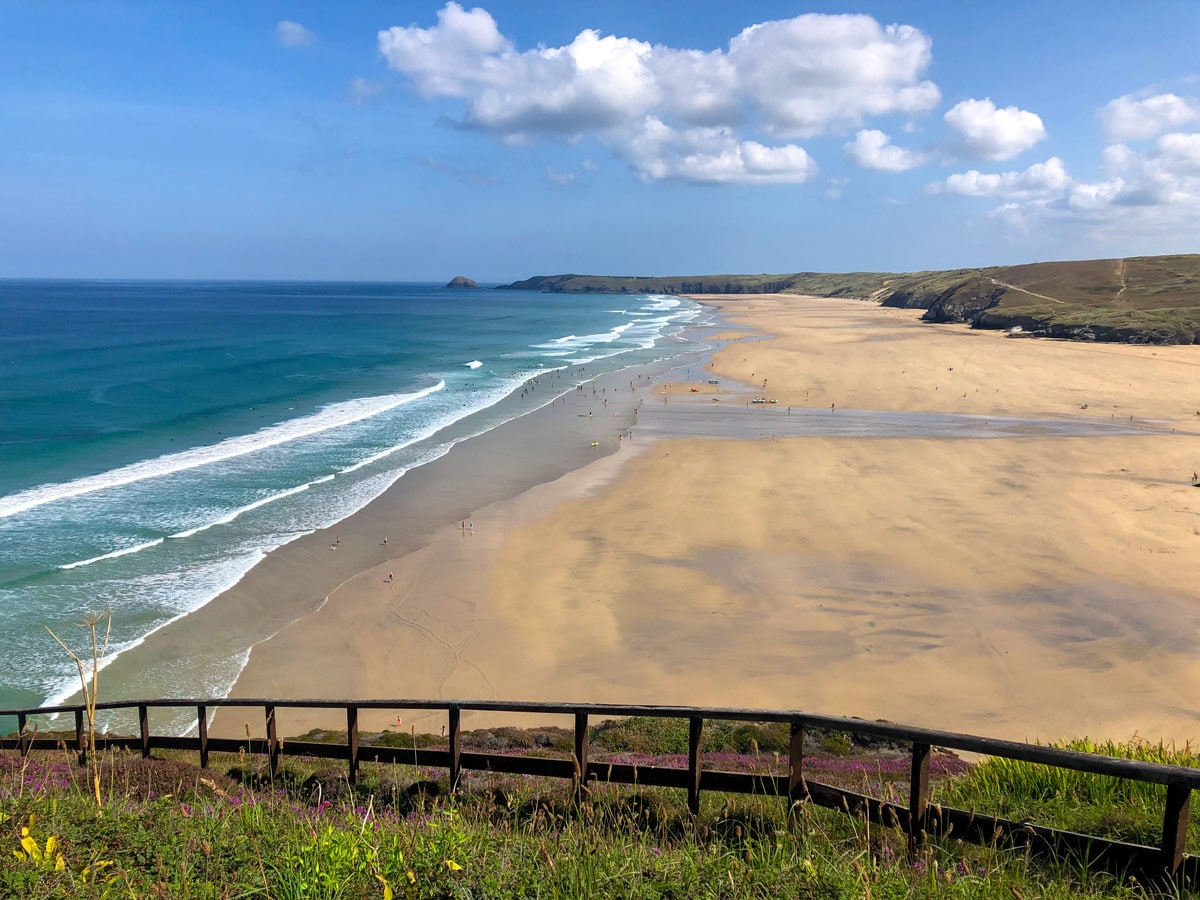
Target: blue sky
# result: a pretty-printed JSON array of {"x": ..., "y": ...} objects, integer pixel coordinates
[{"x": 416, "y": 141}]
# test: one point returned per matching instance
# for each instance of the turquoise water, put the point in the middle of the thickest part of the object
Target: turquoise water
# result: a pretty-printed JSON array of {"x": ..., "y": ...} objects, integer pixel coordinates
[{"x": 157, "y": 439}]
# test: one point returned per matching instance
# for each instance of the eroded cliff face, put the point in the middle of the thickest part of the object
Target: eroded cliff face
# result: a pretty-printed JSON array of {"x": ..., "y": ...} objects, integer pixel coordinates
[
  {"x": 965, "y": 302},
  {"x": 976, "y": 302},
  {"x": 1036, "y": 327},
  {"x": 961, "y": 302}
]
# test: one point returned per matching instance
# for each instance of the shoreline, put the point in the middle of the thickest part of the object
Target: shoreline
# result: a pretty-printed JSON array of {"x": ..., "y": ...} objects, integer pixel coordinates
[
  {"x": 1030, "y": 586},
  {"x": 295, "y": 580}
]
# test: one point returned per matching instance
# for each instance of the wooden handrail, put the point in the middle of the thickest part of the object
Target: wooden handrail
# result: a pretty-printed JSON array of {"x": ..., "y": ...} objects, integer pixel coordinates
[{"x": 917, "y": 820}]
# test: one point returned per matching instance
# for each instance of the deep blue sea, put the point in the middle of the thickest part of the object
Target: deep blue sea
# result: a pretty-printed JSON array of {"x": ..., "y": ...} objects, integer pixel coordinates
[{"x": 157, "y": 439}]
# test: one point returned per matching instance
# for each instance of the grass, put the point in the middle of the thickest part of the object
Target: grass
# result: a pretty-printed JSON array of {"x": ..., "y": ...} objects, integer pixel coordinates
[
  {"x": 165, "y": 828},
  {"x": 1149, "y": 298},
  {"x": 1109, "y": 807}
]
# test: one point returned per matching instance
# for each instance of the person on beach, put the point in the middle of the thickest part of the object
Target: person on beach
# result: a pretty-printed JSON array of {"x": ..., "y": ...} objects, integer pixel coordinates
[{"x": 391, "y": 577}]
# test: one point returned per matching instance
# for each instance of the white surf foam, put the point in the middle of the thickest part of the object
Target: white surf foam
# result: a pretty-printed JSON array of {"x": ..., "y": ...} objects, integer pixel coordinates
[
  {"x": 125, "y": 551},
  {"x": 233, "y": 514},
  {"x": 222, "y": 576},
  {"x": 335, "y": 415}
]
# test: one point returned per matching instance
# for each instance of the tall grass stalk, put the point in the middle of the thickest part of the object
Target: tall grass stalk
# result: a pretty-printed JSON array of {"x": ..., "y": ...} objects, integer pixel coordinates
[{"x": 89, "y": 679}]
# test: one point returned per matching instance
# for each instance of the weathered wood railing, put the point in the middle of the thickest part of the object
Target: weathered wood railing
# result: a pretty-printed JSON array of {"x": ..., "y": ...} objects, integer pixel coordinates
[{"x": 918, "y": 820}]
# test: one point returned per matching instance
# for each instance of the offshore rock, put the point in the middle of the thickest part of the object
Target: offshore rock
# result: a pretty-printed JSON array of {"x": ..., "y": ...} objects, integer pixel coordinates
[{"x": 461, "y": 281}]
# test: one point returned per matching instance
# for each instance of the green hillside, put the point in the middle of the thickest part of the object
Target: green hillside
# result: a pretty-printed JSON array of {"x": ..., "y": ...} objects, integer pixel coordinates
[{"x": 1147, "y": 299}]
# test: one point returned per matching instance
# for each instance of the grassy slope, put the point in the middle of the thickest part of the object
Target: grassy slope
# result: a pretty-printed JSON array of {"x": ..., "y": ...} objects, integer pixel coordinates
[
  {"x": 1143, "y": 299},
  {"x": 167, "y": 829}
]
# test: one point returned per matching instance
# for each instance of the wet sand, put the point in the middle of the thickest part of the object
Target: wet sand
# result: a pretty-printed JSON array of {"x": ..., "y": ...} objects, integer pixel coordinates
[{"x": 1036, "y": 582}]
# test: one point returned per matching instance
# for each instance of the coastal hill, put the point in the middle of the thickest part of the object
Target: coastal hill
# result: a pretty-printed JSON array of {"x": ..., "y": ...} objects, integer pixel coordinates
[{"x": 1147, "y": 299}]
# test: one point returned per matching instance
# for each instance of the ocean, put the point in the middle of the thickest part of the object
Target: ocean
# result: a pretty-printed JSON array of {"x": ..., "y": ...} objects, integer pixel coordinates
[{"x": 157, "y": 439}]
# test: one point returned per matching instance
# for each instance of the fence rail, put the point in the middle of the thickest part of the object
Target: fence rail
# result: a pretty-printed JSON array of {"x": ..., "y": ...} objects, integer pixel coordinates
[{"x": 918, "y": 819}]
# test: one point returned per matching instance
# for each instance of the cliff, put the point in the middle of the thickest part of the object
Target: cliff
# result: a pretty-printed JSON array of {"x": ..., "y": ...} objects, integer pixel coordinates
[{"x": 1149, "y": 299}]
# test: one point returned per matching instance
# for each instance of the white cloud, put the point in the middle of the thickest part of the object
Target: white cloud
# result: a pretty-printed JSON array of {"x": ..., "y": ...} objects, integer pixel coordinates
[
  {"x": 1163, "y": 183},
  {"x": 785, "y": 79},
  {"x": 710, "y": 155},
  {"x": 293, "y": 34},
  {"x": 815, "y": 73},
  {"x": 994, "y": 134},
  {"x": 1129, "y": 118},
  {"x": 873, "y": 149},
  {"x": 1039, "y": 180},
  {"x": 1149, "y": 200},
  {"x": 1178, "y": 154}
]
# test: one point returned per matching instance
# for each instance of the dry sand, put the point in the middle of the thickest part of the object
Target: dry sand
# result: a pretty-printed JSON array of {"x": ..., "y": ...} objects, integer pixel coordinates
[{"x": 1033, "y": 587}]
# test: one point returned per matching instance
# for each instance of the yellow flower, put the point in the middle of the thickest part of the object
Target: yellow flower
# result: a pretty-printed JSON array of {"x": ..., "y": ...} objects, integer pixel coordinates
[
  {"x": 453, "y": 866},
  {"x": 49, "y": 856}
]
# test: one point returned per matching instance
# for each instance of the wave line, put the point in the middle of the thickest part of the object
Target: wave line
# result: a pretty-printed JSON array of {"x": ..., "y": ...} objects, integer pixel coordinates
[
  {"x": 124, "y": 552},
  {"x": 334, "y": 415}
]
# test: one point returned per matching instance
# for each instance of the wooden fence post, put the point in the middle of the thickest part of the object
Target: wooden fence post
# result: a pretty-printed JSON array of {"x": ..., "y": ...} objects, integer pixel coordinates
[
  {"x": 80, "y": 744},
  {"x": 1175, "y": 823},
  {"x": 272, "y": 740},
  {"x": 144, "y": 728},
  {"x": 797, "y": 789},
  {"x": 455, "y": 729},
  {"x": 581, "y": 753},
  {"x": 23, "y": 737},
  {"x": 352, "y": 743},
  {"x": 202, "y": 730},
  {"x": 695, "y": 730},
  {"x": 918, "y": 796}
]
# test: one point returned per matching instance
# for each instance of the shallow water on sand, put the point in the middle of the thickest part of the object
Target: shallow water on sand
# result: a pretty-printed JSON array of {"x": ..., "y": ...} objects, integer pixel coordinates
[{"x": 735, "y": 417}]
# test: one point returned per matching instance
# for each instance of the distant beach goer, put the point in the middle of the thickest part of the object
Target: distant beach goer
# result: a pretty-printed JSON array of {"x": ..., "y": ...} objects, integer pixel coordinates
[{"x": 391, "y": 577}]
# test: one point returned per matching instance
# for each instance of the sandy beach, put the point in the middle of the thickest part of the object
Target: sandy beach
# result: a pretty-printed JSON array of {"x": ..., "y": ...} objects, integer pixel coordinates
[{"x": 1027, "y": 582}]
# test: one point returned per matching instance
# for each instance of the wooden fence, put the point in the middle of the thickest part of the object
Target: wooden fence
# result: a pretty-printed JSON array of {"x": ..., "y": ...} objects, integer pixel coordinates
[{"x": 918, "y": 819}]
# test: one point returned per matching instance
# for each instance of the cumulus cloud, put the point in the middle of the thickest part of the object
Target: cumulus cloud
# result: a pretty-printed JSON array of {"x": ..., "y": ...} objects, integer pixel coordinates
[
  {"x": 1131, "y": 118},
  {"x": 994, "y": 134},
  {"x": 711, "y": 155},
  {"x": 1151, "y": 197},
  {"x": 1178, "y": 154},
  {"x": 815, "y": 72},
  {"x": 293, "y": 34},
  {"x": 651, "y": 104},
  {"x": 873, "y": 149},
  {"x": 1041, "y": 179}
]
